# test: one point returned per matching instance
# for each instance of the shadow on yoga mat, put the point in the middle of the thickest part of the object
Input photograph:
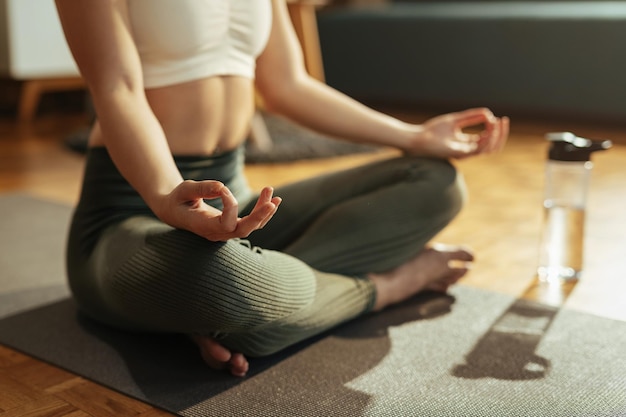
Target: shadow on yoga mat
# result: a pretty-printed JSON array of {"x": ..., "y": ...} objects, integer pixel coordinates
[
  {"x": 166, "y": 370},
  {"x": 471, "y": 353}
]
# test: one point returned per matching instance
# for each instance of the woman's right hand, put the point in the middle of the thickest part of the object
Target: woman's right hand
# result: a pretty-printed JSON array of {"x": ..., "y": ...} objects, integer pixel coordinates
[{"x": 184, "y": 208}]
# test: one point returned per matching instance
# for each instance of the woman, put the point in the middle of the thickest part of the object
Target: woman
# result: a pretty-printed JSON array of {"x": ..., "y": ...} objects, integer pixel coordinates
[{"x": 167, "y": 236}]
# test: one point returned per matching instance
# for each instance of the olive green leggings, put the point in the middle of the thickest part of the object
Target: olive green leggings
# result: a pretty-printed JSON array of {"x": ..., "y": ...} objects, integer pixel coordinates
[{"x": 302, "y": 274}]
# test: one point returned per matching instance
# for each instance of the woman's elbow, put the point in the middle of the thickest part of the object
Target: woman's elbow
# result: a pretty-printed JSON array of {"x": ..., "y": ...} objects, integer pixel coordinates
[
  {"x": 272, "y": 99},
  {"x": 278, "y": 94}
]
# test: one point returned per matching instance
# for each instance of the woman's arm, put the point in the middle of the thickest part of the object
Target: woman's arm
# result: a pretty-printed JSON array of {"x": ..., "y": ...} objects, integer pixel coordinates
[
  {"x": 99, "y": 37},
  {"x": 98, "y": 34},
  {"x": 287, "y": 89}
]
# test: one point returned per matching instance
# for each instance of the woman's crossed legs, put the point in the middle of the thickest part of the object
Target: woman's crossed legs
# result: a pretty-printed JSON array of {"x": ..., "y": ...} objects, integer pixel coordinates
[{"x": 373, "y": 222}]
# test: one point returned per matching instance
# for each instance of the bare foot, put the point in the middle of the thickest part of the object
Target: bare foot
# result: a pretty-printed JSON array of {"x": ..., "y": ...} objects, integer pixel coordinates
[
  {"x": 434, "y": 268},
  {"x": 218, "y": 357}
]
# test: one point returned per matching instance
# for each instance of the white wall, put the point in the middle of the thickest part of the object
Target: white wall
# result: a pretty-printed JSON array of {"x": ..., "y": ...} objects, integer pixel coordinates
[{"x": 33, "y": 45}]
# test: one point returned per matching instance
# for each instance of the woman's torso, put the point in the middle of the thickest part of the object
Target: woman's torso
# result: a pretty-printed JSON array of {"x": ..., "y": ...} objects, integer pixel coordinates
[{"x": 198, "y": 60}]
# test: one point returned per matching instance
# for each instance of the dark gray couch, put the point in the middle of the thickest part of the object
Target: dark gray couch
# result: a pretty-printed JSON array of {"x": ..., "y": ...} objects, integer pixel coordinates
[{"x": 565, "y": 58}]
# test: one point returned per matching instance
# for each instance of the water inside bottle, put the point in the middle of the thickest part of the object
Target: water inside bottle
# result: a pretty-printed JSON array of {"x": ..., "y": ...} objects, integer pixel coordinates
[{"x": 561, "y": 255}]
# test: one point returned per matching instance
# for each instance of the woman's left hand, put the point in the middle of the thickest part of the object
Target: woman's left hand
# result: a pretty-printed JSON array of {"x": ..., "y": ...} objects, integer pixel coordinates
[{"x": 443, "y": 136}]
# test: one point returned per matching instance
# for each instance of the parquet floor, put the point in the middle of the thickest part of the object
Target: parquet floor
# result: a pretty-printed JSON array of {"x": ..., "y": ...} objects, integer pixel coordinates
[{"x": 501, "y": 223}]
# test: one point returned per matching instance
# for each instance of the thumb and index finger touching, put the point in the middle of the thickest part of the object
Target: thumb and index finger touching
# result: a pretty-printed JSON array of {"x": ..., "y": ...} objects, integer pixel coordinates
[
  {"x": 266, "y": 206},
  {"x": 495, "y": 130},
  {"x": 194, "y": 191}
]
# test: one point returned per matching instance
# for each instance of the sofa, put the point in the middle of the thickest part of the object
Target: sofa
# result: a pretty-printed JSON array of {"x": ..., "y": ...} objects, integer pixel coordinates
[{"x": 547, "y": 58}]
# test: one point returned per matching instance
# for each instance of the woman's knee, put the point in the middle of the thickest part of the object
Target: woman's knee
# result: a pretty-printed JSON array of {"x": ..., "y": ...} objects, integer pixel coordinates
[
  {"x": 179, "y": 282},
  {"x": 250, "y": 288},
  {"x": 436, "y": 186}
]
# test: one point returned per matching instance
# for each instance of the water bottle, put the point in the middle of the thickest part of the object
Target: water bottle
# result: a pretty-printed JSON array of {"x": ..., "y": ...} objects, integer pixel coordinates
[{"x": 568, "y": 170}]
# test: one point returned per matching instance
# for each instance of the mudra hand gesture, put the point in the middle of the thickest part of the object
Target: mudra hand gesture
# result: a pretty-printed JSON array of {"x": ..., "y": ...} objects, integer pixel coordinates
[
  {"x": 185, "y": 208},
  {"x": 443, "y": 136}
]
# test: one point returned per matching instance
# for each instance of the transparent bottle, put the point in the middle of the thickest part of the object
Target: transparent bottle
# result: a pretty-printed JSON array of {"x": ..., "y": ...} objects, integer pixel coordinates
[{"x": 568, "y": 171}]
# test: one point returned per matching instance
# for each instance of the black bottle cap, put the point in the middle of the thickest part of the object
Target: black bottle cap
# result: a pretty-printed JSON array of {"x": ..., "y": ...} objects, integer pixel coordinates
[{"x": 566, "y": 146}]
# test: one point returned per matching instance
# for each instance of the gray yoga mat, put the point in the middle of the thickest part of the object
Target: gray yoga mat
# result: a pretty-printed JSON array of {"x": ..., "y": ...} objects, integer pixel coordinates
[{"x": 470, "y": 353}]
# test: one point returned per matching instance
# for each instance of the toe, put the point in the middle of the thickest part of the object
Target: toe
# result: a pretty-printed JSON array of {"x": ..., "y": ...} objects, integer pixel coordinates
[
  {"x": 214, "y": 349},
  {"x": 218, "y": 357},
  {"x": 464, "y": 255},
  {"x": 238, "y": 365},
  {"x": 458, "y": 252},
  {"x": 213, "y": 354}
]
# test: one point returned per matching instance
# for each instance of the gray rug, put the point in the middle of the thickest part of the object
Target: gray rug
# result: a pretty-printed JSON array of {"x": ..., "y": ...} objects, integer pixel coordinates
[
  {"x": 289, "y": 142},
  {"x": 32, "y": 248},
  {"x": 471, "y": 353}
]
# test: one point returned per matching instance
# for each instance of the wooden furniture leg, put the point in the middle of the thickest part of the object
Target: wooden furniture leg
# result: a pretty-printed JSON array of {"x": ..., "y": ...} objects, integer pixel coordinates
[
  {"x": 32, "y": 90},
  {"x": 302, "y": 13},
  {"x": 304, "y": 20}
]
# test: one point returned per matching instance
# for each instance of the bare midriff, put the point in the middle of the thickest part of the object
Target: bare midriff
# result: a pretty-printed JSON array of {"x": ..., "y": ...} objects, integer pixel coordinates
[{"x": 201, "y": 117}]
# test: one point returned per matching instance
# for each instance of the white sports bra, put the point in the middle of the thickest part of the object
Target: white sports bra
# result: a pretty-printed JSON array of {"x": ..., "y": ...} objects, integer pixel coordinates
[{"x": 184, "y": 40}]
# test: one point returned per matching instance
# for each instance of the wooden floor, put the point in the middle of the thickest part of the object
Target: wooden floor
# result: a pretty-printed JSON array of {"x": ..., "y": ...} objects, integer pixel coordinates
[{"x": 501, "y": 222}]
